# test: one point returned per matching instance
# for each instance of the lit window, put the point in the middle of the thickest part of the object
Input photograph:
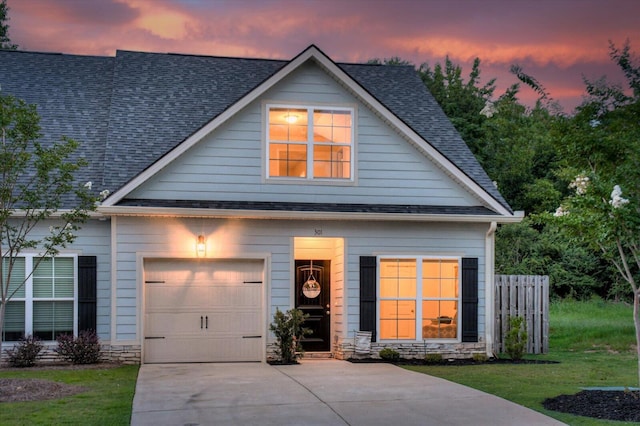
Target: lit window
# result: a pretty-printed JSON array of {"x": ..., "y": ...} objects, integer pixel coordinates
[
  {"x": 310, "y": 143},
  {"x": 440, "y": 291},
  {"x": 418, "y": 297},
  {"x": 44, "y": 305}
]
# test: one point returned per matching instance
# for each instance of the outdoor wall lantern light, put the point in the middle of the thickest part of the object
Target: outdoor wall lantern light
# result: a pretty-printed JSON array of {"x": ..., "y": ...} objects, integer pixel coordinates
[{"x": 201, "y": 246}]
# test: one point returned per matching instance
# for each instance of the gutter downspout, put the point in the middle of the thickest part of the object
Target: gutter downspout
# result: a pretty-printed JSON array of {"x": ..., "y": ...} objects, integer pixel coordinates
[{"x": 489, "y": 286}]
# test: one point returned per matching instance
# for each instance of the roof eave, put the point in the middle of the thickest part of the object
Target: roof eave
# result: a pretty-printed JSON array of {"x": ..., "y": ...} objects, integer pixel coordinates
[{"x": 305, "y": 215}]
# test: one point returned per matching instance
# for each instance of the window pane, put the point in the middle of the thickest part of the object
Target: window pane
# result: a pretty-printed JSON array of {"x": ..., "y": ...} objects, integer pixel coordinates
[
  {"x": 388, "y": 329},
  {"x": 431, "y": 268},
  {"x": 407, "y": 287},
  {"x": 17, "y": 276},
  {"x": 431, "y": 288},
  {"x": 286, "y": 124},
  {"x": 288, "y": 160},
  {"x": 332, "y": 126},
  {"x": 449, "y": 269},
  {"x": 397, "y": 320},
  {"x": 430, "y": 309},
  {"x": 388, "y": 288},
  {"x": 51, "y": 319},
  {"x": 330, "y": 161},
  {"x": 406, "y": 309},
  {"x": 13, "y": 321},
  {"x": 407, "y": 329},
  {"x": 322, "y": 134},
  {"x": 439, "y": 319},
  {"x": 388, "y": 268},
  {"x": 342, "y": 118},
  {"x": 44, "y": 268},
  {"x": 449, "y": 289},
  {"x": 42, "y": 287},
  {"x": 388, "y": 309},
  {"x": 63, "y": 280}
]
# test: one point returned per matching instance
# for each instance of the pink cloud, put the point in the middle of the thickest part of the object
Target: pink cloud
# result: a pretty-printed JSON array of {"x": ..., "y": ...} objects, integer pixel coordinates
[{"x": 560, "y": 35}]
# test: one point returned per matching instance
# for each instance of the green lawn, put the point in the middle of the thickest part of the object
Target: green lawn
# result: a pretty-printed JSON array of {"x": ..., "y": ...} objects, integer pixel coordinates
[
  {"x": 594, "y": 344},
  {"x": 107, "y": 401}
]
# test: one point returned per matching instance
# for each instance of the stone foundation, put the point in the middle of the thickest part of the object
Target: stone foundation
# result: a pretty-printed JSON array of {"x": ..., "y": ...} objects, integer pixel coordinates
[
  {"x": 124, "y": 354},
  {"x": 448, "y": 350},
  {"x": 455, "y": 350},
  {"x": 127, "y": 354}
]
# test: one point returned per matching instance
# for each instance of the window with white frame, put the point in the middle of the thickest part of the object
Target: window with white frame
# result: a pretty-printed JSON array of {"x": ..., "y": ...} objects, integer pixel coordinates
[
  {"x": 312, "y": 143},
  {"x": 419, "y": 298},
  {"x": 45, "y": 305}
]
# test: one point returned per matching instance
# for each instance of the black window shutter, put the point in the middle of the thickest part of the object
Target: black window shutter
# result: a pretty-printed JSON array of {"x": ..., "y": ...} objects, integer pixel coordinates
[
  {"x": 368, "y": 295},
  {"x": 87, "y": 292},
  {"x": 469, "y": 299}
]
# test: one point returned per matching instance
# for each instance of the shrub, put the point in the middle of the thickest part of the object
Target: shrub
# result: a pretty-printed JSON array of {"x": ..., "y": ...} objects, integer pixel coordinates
[
  {"x": 84, "y": 349},
  {"x": 480, "y": 357},
  {"x": 516, "y": 339},
  {"x": 433, "y": 358},
  {"x": 25, "y": 353},
  {"x": 288, "y": 330},
  {"x": 389, "y": 354}
]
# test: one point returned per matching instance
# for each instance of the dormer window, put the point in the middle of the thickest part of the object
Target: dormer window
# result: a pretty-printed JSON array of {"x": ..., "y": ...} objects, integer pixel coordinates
[{"x": 311, "y": 143}]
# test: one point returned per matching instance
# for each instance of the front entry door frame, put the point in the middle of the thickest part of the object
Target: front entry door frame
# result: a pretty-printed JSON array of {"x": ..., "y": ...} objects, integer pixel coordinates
[{"x": 313, "y": 297}]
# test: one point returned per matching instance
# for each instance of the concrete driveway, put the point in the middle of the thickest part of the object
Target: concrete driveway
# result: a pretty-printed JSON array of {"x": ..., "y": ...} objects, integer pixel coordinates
[{"x": 316, "y": 392}]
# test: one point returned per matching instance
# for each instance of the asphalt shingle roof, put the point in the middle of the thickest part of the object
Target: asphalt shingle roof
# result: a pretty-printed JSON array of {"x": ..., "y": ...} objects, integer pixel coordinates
[{"x": 130, "y": 110}]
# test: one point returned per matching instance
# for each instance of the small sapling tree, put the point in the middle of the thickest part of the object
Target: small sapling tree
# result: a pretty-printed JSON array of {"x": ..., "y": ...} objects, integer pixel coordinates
[{"x": 37, "y": 184}]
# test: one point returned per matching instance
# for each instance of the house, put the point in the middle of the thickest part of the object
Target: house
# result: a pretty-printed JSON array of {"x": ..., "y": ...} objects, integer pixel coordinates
[{"x": 242, "y": 186}]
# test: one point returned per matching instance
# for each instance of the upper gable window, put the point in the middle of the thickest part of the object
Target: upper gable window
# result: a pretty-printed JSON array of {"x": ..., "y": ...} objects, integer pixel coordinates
[{"x": 310, "y": 142}]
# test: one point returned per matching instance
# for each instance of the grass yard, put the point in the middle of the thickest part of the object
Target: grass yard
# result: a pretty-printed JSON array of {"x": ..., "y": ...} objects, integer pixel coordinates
[
  {"x": 107, "y": 401},
  {"x": 594, "y": 343}
]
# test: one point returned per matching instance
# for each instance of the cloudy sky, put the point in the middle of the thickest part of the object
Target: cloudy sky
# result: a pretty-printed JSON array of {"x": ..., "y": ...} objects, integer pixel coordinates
[{"x": 557, "y": 41}]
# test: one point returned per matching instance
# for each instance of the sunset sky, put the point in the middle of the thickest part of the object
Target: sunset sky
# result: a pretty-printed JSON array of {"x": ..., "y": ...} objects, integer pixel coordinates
[{"x": 557, "y": 41}]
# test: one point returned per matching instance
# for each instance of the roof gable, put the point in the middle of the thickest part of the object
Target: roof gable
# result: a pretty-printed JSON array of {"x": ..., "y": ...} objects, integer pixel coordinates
[
  {"x": 137, "y": 112},
  {"x": 423, "y": 120}
]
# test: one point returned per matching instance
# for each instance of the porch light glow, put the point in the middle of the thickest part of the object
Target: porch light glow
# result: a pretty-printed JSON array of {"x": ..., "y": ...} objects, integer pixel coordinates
[{"x": 201, "y": 246}]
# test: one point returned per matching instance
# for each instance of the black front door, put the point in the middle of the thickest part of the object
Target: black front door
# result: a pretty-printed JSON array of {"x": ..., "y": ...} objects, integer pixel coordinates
[{"x": 313, "y": 297}]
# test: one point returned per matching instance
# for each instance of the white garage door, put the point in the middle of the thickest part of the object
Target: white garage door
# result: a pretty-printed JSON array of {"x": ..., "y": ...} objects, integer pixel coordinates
[{"x": 203, "y": 310}]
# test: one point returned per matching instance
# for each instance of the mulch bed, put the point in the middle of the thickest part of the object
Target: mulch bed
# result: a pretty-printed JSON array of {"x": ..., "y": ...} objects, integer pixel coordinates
[
  {"x": 21, "y": 390},
  {"x": 599, "y": 404}
]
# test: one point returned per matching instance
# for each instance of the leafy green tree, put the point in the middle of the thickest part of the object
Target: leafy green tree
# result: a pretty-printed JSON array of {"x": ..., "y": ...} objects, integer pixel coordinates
[
  {"x": 34, "y": 179},
  {"x": 462, "y": 101},
  {"x": 5, "y": 42},
  {"x": 601, "y": 145}
]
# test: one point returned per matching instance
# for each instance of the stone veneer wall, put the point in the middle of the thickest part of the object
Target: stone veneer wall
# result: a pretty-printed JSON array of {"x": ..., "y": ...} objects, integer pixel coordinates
[
  {"x": 129, "y": 354},
  {"x": 125, "y": 354},
  {"x": 346, "y": 349}
]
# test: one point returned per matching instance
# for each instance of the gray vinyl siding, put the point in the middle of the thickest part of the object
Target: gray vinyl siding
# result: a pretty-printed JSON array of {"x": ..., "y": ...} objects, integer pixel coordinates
[
  {"x": 229, "y": 164},
  {"x": 93, "y": 239},
  {"x": 274, "y": 239}
]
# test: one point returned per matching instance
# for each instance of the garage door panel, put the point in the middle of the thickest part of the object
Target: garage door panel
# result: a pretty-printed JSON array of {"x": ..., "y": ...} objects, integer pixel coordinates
[
  {"x": 240, "y": 323},
  {"x": 168, "y": 296},
  {"x": 238, "y": 296},
  {"x": 171, "y": 324},
  {"x": 227, "y": 294}
]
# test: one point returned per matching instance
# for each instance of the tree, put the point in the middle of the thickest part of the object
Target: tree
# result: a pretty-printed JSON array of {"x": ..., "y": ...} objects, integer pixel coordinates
[
  {"x": 34, "y": 180},
  {"x": 461, "y": 101},
  {"x": 601, "y": 145},
  {"x": 5, "y": 42}
]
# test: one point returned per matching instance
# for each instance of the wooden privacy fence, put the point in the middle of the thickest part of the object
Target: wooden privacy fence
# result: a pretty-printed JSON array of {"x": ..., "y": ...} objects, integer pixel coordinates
[{"x": 526, "y": 296}]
